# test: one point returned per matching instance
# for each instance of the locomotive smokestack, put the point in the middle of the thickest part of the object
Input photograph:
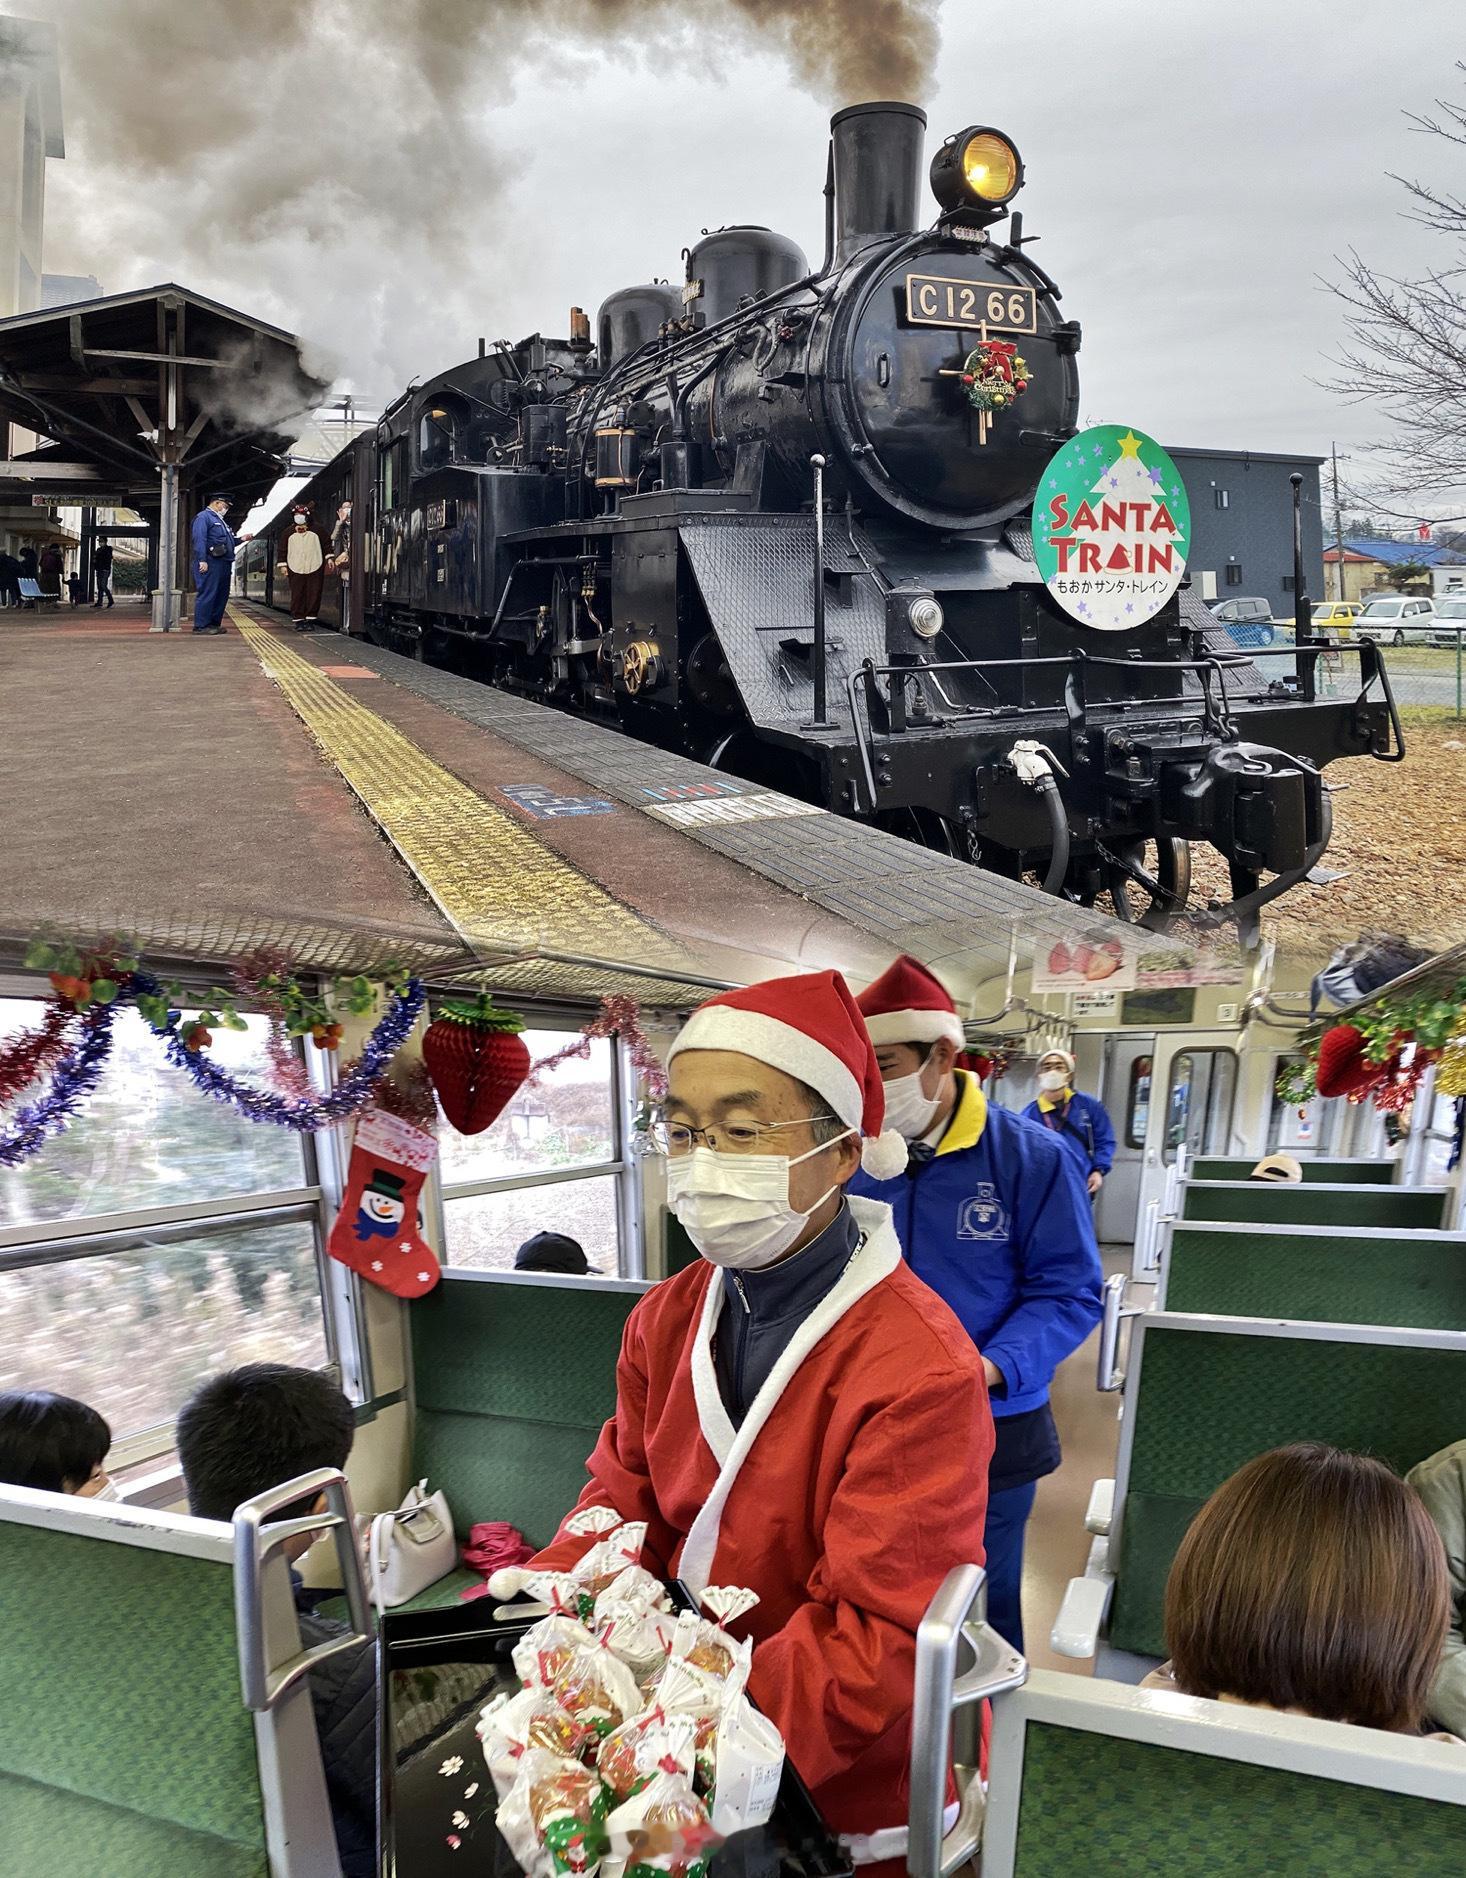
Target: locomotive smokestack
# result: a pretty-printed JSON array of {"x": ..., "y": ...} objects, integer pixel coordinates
[{"x": 878, "y": 152}]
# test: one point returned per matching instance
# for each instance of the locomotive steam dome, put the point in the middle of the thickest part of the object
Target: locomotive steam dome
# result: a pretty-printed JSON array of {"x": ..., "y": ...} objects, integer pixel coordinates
[
  {"x": 734, "y": 264},
  {"x": 630, "y": 317}
]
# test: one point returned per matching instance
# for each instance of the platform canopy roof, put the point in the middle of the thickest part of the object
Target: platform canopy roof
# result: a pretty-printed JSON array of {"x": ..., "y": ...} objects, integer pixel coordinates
[{"x": 123, "y": 386}]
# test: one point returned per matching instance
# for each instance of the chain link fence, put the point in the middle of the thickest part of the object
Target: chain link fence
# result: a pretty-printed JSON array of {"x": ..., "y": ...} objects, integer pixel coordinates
[{"x": 1427, "y": 670}]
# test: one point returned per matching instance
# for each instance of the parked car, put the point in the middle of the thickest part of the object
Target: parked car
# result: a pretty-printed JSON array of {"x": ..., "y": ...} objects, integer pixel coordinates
[
  {"x": 1334, "y": 616},
  {"x": 1450, "y": 620},
  {"x": 1396, "y": 617},
  {"x": 1250, "y": 622}
]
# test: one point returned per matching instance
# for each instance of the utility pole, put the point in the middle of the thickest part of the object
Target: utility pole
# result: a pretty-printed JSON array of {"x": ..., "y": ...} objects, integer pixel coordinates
[{"x": 1338, "y": 526}]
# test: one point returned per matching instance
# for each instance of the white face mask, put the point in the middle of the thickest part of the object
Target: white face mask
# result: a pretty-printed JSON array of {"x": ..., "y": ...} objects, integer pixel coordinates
[
  {"x": 735, "y": 1207},
  {"x": 107, "y": 1492},
  {"x": 1052, "y": 1080},
  {"x": 909, "y": 1109}
]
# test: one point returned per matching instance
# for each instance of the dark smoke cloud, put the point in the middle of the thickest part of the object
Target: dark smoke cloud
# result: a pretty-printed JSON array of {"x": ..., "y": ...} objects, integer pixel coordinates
[{"x": 333, "y": 165}]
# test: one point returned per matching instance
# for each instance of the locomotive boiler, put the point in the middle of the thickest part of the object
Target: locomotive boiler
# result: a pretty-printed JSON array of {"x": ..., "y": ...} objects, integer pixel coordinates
[{"x": 758, "y": 516}]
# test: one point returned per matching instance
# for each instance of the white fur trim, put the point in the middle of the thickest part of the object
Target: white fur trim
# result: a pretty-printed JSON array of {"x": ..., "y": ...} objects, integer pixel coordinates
[
  {"x": 782, "y": 1046},
  {"x": 876, "y": 1259},
  {"x": 915, "y": 1027},
  {"x": 1065, "y": 1055},
  {"x": 884, "y": 1156},
  {"x": 712, "y": 1417}
]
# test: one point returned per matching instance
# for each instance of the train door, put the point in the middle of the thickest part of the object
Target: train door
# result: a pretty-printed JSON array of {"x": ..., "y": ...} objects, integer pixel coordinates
[
  {"x": 1125, "y": 1084},
  {"x": 1193, "y": 1086}
]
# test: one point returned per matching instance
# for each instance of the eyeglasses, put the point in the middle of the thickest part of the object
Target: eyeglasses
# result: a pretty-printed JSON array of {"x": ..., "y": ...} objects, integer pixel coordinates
[{"x": 676, "y": 1138}]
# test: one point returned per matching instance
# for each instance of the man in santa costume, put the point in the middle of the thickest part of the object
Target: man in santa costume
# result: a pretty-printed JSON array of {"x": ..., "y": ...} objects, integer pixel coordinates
[
  {"x": 304, "y": 565},
  {"x": 992, "y": 1213},
  {"x": 796, "y": 1413}
]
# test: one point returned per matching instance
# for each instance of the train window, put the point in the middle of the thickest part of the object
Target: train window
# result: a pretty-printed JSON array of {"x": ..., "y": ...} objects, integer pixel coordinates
[
  {"x": 135, "y": 1256},
  {"x": 1199, "y": 1102},
  {"x": 1137, "y": 1102},
  {"x": 552, "y": 1162}
]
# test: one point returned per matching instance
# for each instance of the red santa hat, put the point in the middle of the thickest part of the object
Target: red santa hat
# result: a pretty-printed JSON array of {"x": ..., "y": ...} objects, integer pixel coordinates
[
  {"x": 810, "y": 1028},
  {"x": 907, "y": 1005}
]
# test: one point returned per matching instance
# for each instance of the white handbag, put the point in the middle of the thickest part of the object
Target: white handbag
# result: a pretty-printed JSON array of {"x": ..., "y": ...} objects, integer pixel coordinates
[{"x": 411, "y": 1548}]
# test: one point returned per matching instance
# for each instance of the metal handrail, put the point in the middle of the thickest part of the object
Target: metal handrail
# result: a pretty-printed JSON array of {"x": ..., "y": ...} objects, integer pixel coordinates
[
  {"x": 956, "y": 1617},
  {"x": 255, "y": 1544}
]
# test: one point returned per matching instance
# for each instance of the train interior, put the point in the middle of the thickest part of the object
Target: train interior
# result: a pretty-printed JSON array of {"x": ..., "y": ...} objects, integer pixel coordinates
[{"x": 1333, "y": 1308}]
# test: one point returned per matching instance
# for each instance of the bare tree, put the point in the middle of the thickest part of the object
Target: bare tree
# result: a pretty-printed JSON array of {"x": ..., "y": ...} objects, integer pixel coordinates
[{"x": 1406, "y": 349}]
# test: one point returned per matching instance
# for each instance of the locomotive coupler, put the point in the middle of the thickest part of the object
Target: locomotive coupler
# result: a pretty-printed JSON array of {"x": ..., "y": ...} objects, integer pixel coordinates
[{"x": 1261, "y": 807}]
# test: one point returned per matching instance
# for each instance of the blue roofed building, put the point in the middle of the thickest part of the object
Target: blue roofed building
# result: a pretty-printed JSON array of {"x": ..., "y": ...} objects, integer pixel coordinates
[{"x": 1371, "y": 566}]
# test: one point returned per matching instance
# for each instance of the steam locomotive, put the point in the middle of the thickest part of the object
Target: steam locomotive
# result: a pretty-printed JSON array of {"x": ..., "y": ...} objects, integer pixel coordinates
[{"x": 758, "y": 519}]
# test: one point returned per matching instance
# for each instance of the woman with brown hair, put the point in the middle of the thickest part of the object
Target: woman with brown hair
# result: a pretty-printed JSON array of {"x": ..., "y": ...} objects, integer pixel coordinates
[{"x": 1313, "y": 1582}]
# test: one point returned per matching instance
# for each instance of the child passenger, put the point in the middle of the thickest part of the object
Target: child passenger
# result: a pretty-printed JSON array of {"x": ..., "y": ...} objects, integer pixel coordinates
[
  {"x": 1312, "y": 1582},
  {"x": 55, "y": 1443},
  {"x": 240, "y": 1434}
]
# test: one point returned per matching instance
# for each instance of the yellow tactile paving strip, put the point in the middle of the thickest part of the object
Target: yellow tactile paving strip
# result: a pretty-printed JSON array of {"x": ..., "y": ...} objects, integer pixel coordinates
[{"x": 487, "y": 873}]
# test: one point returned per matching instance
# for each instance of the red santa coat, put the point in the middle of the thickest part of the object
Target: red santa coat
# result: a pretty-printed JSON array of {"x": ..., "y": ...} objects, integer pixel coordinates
[{"x": 856, "y": 1482}]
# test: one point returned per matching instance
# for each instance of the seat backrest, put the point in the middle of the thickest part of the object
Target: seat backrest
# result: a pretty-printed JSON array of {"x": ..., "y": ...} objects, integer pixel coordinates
[
  {"x": 1263, "y": 1202},
  {"x": 1332, "y": 1173},
  {"x": 1321, "y": 1274},
  {"x": 1082, "y": 1773},
  {"x": 125, "y": 1745},
  {"x": 1205, "y": 1394},
  {"x": 513, "y": 1376}
]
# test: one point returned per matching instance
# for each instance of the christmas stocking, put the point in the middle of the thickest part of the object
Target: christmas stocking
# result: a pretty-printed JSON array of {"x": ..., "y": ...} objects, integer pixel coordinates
[{"x": 377, "y": 1231}]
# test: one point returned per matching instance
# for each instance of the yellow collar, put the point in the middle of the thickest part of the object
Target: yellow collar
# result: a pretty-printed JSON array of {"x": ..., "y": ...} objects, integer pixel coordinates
[
  {"x": 1055, "y": 1101},
  {"x": 969, "y": 1118}
]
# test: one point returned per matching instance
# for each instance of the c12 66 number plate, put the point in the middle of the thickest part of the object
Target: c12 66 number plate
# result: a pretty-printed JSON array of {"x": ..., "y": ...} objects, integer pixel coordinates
[{"x": 936, "y": 300}]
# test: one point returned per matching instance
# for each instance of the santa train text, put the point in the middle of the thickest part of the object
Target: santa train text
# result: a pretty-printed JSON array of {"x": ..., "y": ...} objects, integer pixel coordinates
[{"x": 777, "y": 518}]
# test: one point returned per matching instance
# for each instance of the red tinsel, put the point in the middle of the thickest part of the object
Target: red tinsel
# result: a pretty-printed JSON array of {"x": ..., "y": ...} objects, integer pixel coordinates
[
  {"x": 618, "y": 1017},
  {"x": 26, "y": 1057}
]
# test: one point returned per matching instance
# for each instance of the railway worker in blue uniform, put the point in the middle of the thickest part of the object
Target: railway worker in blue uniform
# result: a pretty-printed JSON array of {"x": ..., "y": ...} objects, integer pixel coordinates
[
  {"x": 991, "y": 1213},
  {"x": 213, "y": 564},
  {"x": 1079, "y": 1121}
]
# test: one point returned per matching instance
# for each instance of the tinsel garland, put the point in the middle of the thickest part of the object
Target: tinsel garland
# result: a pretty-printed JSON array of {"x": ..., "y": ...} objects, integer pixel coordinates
[
  {"x": 24, "y": 1058},
  {"x": 72, "y": 1082},
  {"x": 619, "y": 1016},
  {"x": 302, "y": 1114}
]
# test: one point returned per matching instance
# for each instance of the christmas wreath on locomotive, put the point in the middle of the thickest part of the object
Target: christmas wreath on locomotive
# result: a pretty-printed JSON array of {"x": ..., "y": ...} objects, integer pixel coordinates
[{"x": 625, "y": 524}]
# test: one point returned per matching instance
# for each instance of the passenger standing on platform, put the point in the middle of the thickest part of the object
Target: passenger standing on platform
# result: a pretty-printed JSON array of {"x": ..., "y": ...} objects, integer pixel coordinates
[
  {"x": 1079, "y": 1120},
  {"x": 304, "y": 564},
  {"x": 29, "y": 566},
  {"x": 795, "y": 1413},
  {"x": 49, "y": 575},
  {"x": 102, "y": 570},
  {"x": 991, "y": 1213},
  {"x": 213, "y": 564},
  {"x": 341, "y": 560},
  {"x": 9, "y": 580}
]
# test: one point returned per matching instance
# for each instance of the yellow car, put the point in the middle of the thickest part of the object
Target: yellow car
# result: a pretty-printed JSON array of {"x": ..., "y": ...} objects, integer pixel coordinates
[{"x": 1335, "y": 616}]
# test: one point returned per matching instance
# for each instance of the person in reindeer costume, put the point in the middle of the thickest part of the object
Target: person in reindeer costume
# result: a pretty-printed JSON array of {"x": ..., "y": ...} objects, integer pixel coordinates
[
  {"x": 796, "y": 1412},
  {"x": 304, "y": 566}
]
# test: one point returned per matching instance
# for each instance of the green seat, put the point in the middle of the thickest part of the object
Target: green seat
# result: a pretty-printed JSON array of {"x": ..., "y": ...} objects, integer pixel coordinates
[
  {"x": 1332, "y": 1173},
  {"x": 1317, "y": 1274},
  {"x": 1263, "y": 1203},
  {"x": 513, "y": 1378},
  {"x": 1204, "y": 1396},
  {"x": 1085, "y": 1775}
]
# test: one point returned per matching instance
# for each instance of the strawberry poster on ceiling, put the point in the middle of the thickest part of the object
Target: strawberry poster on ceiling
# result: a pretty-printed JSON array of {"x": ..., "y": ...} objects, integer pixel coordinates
[{"x": 1098, "y": 961}]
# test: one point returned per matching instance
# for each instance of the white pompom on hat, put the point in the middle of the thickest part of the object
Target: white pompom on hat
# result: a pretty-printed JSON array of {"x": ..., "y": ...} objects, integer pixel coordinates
[{"x": 810, "y": 1028}]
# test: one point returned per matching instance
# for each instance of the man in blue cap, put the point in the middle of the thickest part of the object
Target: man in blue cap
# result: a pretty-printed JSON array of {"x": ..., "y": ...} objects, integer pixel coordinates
[{"x": 213, "y": 564}]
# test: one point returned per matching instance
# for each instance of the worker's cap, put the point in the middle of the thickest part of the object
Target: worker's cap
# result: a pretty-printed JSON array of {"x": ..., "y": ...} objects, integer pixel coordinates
[
  {"x": 1277, "y": 1167},
  {"x": 221, "y": 495}
]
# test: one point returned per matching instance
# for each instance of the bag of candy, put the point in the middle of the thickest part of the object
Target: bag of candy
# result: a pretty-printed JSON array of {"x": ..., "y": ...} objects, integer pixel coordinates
[
  {"x": 597, "y": 1689},
  {"x": 512, "y": 1725},
  {"x": 631, "y": 1618},
  {"x": 648, "y": 1744},
  {"x": 707, "y": 1647},
  {"x": 554, "y": 1817},
  {"x": 748, "y": 1764},
  {"x": 662, "y": 1832},
  {"x": 549, "y": 1647},
  {"x": 609, "y": 1557}
]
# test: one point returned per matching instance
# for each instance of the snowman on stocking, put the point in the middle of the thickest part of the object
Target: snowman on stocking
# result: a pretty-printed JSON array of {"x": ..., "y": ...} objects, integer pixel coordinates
[{"x": 378, "y": 1232}]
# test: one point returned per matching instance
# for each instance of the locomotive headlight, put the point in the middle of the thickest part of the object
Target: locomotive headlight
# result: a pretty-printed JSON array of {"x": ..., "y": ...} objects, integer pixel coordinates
[
  {"x": 925, "y": 617},
  {"x": 978, "y": 170}
]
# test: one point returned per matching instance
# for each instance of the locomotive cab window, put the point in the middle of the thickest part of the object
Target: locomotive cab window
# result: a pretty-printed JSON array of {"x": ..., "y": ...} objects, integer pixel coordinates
[
  {"x": 392, "y": 473},
  {"x": 438, "y": 432}
]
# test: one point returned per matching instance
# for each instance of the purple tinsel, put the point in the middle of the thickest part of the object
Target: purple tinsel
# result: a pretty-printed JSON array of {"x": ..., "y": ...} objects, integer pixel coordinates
[
  {"x": 72, "y": 1081},
  {"x": 304, "y": 1116}
]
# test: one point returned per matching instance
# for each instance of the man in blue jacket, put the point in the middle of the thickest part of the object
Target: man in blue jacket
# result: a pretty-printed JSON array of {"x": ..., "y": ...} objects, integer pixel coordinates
[
  {"x": 1077, "y": 1120},
  {"x": 992, "y": 1214},
  {"x": 213, "y": 564}
]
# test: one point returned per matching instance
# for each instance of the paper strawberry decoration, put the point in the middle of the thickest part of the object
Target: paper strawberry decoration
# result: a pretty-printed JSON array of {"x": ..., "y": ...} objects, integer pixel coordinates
[
  {"x": 1342, "y": 1069},
  {"x": 476, "y": 1060}
]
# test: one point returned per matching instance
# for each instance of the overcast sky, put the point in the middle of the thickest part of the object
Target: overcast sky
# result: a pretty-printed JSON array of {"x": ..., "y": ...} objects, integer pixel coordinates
[{"x": 1192, "y": 170}]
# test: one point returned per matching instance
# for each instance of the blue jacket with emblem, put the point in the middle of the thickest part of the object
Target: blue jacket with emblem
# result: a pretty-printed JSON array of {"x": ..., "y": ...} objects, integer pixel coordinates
[
  {"x": 213, "y": 540},
  {"x": 1085, "y": 1129},
  {"x": 997, "y": 1222}
]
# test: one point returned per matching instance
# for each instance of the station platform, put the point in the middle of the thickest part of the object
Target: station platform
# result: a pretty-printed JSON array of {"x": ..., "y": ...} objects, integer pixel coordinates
[{"x": 188, "y": 779}]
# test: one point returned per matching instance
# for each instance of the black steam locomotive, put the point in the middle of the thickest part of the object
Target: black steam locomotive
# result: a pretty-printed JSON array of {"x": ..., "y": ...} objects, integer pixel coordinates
[{"x": 757, "y": 518}]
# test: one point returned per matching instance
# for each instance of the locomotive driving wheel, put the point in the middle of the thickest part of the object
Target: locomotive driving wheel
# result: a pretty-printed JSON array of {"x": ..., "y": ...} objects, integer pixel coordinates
[{"x": 1149, "y": 882}]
